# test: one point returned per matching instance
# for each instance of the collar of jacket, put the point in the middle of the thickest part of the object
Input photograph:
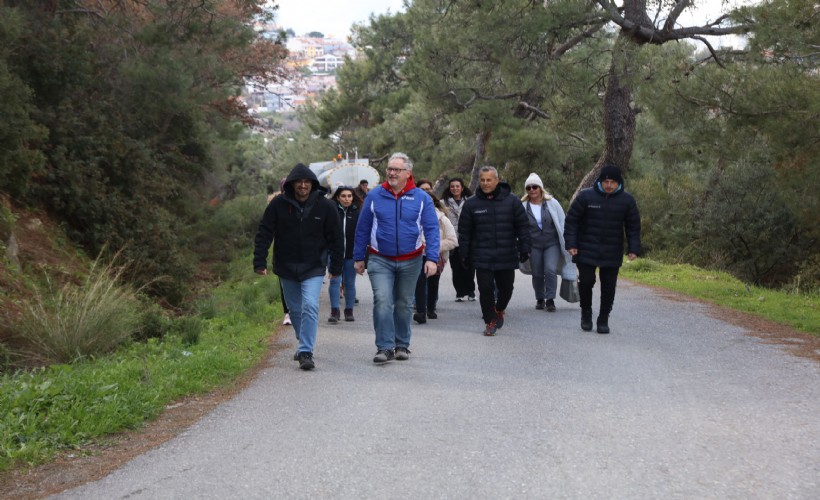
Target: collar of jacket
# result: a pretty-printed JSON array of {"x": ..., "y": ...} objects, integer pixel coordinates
[{"x": 411, "y": 184}]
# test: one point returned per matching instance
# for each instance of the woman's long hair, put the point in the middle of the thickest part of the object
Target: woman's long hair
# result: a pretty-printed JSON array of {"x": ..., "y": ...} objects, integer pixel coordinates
[
  {"x": 465, "y": 191},
  {"x": 357, "y": 202}
]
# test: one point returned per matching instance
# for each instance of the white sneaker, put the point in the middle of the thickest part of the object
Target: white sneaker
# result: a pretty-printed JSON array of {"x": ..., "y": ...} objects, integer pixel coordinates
[{"x": 286, "y": 321}]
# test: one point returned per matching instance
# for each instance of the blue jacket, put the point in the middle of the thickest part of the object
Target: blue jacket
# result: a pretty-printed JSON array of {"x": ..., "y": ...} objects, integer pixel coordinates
[{"x": 393, "y": 226}]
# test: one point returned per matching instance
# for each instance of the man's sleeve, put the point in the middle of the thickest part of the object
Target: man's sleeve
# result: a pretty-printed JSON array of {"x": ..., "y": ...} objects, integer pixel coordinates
[
  {"x": 429, "y": 224},
  {"x": 522, "y": 227},
  {"x": 574, "y": 215},
  {"x": 465, "y": 229},
  {"x": 264, "y": 238},
  {"x": 363, "y": 227},
  {"x": 632, "y": 224},
  {"x": 334, "y": 233}
]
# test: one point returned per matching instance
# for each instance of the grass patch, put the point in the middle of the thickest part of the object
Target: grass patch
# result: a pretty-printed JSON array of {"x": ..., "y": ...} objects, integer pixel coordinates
[
  {"x": 67, "y": 406},
  {"x": 798, "y": 310}
]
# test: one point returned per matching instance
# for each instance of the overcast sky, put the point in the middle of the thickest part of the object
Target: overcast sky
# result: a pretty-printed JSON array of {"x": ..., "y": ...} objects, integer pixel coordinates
[{"x": 336, "y": 16}]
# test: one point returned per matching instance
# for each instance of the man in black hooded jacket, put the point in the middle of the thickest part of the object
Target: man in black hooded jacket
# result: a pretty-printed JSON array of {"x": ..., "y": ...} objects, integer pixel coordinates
[
  {"x": 594, "y": 236},
  {"x": 305, "y": 230}
]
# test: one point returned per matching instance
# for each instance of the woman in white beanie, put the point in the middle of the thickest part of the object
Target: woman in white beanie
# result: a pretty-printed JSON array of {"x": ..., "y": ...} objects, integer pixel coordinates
[{"x": 548, "y": 257}]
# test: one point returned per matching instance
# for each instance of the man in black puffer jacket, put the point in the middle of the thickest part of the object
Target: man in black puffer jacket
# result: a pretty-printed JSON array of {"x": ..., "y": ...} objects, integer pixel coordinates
[
  {"x": 493, "y": 237},
  {"x": 305, "y": 230},
  {"x": 594, "y": 236}
]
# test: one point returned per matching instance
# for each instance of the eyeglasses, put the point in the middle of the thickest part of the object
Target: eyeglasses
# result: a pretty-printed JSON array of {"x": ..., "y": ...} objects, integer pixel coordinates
[
  {"x": 532, "y": 188},
  {"x": 392, "y": 170}
]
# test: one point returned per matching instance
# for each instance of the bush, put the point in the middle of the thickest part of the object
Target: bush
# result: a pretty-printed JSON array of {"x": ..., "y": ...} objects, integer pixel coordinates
[
  {"x": 154, "y": 324},
  {"x": 188, "y": 328},
  {"x": 61, "y": 326}
]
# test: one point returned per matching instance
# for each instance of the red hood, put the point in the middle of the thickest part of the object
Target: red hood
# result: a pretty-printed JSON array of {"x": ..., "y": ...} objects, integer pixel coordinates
[{"x": 411, "y": 183}]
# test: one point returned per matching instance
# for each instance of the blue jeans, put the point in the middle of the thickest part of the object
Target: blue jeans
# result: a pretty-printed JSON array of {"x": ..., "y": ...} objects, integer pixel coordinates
[
  {"x": 348, "y": 276},
  {"x": 544, "y": 278},
  {"x": 303, "y": 301},
  {"x": 394, "y": 284}
]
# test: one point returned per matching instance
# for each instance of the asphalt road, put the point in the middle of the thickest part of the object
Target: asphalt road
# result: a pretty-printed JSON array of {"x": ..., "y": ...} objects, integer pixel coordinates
[{"x": 672, "y": 404}]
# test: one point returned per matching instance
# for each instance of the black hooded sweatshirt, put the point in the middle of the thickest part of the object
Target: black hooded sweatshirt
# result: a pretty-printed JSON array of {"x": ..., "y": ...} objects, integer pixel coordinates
[{"x": 304, "y": 235}]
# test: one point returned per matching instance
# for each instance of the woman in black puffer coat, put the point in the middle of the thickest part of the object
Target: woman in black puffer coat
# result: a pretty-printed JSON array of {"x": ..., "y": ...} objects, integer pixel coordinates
[
  {"x": 594, "y": 235},
  {"x": 347, "y": 203}
]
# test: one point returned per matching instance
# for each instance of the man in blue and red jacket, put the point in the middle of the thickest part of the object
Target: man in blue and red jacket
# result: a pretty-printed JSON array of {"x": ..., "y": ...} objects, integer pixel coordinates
[{"x": 391, "y": 223}]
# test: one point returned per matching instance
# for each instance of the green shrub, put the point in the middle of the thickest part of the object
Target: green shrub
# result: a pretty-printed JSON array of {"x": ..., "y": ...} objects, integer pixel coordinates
[
  {"x": 188, "y": 328},
  {"x": 153, "y": 325},
  {"x": 62, "y": 325}
]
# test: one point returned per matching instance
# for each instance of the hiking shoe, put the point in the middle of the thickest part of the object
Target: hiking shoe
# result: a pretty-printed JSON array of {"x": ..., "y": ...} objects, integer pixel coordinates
[
  {"x": 420, "y": 318},
  {"x": 334, "y": 316},
  {"x": 349, "y": 315},
  {"x": 539, "y": 304},
  {"x": 550, "y": 306},
  {"x": 490, "y": 329},
  {"x": 306, "y": 361},
  {"x": 384, "y": 355},
  {"x": 471, "y": 298},
  {"x": 402, "y": 353},
  {"x": 296, "y": 356},
  {"x": 459, "y": 299},
  {"x": 499, "y": 322},
  {"x": 432, "y": 314},
  {"x": 287, "y": 321}
]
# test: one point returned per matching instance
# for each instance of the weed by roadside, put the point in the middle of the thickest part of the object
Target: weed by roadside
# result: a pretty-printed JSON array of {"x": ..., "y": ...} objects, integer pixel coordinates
[{"x": 800, "y": 310}]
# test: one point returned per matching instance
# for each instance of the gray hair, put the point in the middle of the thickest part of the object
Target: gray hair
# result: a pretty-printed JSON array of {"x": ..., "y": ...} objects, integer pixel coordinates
[
  {"x": 408, "y": 163},
  {"x": 489, "y": 169}
]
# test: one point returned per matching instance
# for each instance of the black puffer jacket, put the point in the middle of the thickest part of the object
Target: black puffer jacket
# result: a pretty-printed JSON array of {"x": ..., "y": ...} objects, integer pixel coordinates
[
  {"x": 304, "y": 236},
  {"x": 349, "y": 217},
  {"x": 595, "y": 225},
  {"x": 493, "y": 230}
]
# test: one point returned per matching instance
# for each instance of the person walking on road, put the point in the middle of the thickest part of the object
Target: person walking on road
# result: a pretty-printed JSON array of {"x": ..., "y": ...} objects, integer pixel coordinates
[
  {"x": 305, "y": 230},
  {"x": 362, "y": 189},
  {"x": 347, "y": 204},
  {"x": 548, "y": 257},
  {"x": 463, "y": 278},
  {"x": 391, "y": 223},
  {"x": 427, "y": 287},
  {"x": 594, "y": 236},
  {"x": 493, "y": 237}
]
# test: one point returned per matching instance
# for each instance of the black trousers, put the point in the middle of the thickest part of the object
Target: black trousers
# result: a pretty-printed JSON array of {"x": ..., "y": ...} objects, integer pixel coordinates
[
  {"x": 463, "y": 280},
  {"x": 490, "y": 282},
  {"x": 586, "y": 280},
  {"x": 427, "y": 292}
]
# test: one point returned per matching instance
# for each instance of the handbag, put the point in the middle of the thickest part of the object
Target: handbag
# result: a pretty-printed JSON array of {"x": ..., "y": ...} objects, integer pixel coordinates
[
  {"x": 525, "y": 267},
  {"x": 569, "y": 291}
]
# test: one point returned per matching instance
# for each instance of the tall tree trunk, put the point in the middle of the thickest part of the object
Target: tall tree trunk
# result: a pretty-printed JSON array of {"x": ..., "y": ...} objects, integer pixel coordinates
[{"x": 481, "y": 140}]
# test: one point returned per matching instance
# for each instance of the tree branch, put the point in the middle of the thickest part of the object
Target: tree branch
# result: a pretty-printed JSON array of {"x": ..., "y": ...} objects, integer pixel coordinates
[
  {"x": 572, "y": 42},
  {"x": 711, "y": 49},
  {"x": 677, "y": 10}
]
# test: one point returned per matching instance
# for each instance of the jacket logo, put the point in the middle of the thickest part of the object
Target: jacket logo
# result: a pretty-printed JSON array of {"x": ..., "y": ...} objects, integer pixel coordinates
[
  {"x": 317, "y": 218},
  {"x": 594, "y": 206},
  {"x": 482, "y": 211}
]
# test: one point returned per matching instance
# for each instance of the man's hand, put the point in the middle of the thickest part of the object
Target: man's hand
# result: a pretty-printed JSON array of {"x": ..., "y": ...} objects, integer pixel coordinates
[
  {"x": 263, "y": 271},
  {"x": 573, "y": 251},
  {"x": 523, "y": 257},
  {"x": 631, "y": 257},
  {"x": 430, "y": 268},
  {"x": 359, "y": 266}
]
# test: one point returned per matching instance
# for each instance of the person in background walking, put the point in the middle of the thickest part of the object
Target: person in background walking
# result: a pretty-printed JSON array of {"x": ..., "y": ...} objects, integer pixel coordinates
[
  {"x": 347, "y": 204},
  {"x": 305, "y": 229},
  {"x": 463, "y": 278},
  {"x": 391, "y": 222},
  {"x": 594, "y": 236},
  {"x": 548, "y": 257},
  {"x": 427, "y": 287},
  {"x": 362, "y": 190},
  {"x": 493, "y": 237}
]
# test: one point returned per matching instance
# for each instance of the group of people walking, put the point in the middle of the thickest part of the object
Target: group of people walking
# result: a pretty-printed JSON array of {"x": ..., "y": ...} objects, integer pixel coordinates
[{"x": 403, "y": 235}]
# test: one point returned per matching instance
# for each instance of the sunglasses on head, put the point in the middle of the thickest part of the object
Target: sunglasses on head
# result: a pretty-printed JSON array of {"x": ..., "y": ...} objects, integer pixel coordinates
[{"x": 532, "y": 188}]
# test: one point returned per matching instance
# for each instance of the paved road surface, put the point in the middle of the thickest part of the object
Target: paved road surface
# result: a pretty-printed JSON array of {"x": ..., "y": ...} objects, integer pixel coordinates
[{"x": 672, "y": 404}]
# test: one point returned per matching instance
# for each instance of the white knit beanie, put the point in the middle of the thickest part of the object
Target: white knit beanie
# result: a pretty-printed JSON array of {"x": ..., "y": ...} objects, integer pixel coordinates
[{"x": 534, "y": 180}]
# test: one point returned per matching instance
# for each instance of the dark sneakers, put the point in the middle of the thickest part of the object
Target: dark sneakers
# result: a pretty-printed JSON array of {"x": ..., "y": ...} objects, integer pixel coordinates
[
  {"x": 490, "y": 328},
  {"x": 539, "y": 304},
  {"x": 334, "y": 316},
  {"x": 349, "y": 315},
  {"x": 550, "y": 306},
  {"x": 420, "y": 318},
  {"x": 383, "y": 356},
  {"x": 603, "y": 324},
  {"x": 306, "y": 361},
  {"x": 586, "y": 319},
  {"x": 402, "y": 353},
  {"x": 432, "y": 314}
]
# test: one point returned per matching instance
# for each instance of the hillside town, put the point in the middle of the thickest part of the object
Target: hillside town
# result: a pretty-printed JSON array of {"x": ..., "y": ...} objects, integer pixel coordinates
[{"x": 313, "y": 61}]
